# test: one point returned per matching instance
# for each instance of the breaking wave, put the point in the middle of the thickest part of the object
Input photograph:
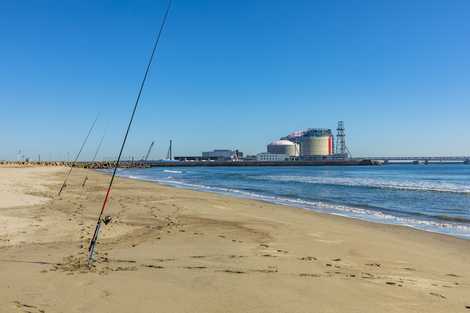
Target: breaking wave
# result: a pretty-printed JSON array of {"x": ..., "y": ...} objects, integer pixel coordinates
[
  {"x": 426, "y": 186},
  {"x": 172, "y": 171}
]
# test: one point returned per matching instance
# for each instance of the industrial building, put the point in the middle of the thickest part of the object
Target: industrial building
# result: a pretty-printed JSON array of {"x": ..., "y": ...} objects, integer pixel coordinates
[
  {"x": 266, "y": 156},
  {"x": 311, "y": 143},
  {"x": 222, "y": 155},
  {"x": 286, "y": 147},
  {"x": 193, "y": 158},
  {"x": 316, "y": 143}
]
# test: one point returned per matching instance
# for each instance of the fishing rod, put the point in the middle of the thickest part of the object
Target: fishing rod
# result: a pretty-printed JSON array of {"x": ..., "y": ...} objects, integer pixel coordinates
[
  {"x": 94, "y": 239},
  {"x": 94, "y": 157},
  {"x": 64, "y": 184}
]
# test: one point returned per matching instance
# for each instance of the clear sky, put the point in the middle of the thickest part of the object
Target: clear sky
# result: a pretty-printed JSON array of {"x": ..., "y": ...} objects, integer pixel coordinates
[{"x": 235, "y": 74}]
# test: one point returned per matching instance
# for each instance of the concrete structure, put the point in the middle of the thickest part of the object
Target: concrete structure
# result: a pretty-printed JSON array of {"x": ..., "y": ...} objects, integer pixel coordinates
[
  {"x": 316, "y": 143},
  {"x": 222, "y": 155},
  {"x": 249, "y": 158},
  {"x": 266, "y": 156},
  {"x": 316, "y": 146},
  {"x": 422, "y": 159},
  {"x": 193, "y": 158},
  {"x": 283, "y": 147}
]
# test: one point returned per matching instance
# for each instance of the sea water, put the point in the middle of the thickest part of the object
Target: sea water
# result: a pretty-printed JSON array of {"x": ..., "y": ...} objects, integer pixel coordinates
[{"x": 429, "y": 197}]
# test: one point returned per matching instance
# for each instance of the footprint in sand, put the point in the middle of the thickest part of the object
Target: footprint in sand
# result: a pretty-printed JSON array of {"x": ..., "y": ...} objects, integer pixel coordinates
[
  {"x": 106, "y": 293},
  {"x": 124, "y": 269},
  {"x": 269, "y": 256},
  {"x": 27, "y": 307},
  {"x": 195, "y": 267},
  {"x": 309, "y": 275},
  {"x": 123, "y": 261},
  {"x": 269, "y": 270},
  {"x": 165, "y": 260},
  {"x": 367, "y": 275},
  {"x": 435, "y": 294},
  {"x": 308, "y": 258},
  {"x": 152, "y": 266},
  {"x": 233, "y": 271}
]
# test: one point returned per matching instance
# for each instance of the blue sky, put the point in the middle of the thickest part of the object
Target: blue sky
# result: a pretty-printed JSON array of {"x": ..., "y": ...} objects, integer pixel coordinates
[{"x": 235, "y": 74}]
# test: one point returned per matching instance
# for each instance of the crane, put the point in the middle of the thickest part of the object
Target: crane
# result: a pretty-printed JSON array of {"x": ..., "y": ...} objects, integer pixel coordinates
[
  {"x": 149, "y": 151},
  {"x": 169, "y": 155}
]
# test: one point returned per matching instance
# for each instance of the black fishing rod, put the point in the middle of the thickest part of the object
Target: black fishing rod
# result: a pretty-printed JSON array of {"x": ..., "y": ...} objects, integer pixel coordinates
[
  {"x": 94, "y": 157},
  {"x": 77, "y": 156},
  {"x": 94, "y": 239}
]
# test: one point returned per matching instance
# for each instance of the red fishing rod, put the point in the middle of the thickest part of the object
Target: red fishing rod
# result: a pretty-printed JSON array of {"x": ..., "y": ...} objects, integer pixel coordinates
[
  {"x": 94, "y": 239},
  {"x": 64, "y": 184}
]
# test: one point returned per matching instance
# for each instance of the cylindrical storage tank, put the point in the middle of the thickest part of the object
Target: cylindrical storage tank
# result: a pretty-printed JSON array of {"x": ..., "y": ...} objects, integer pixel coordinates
[
  {"x": 316, "y": 146},
  {"x": 283, "y": 147},
  {"x": 331, "y": 145}
]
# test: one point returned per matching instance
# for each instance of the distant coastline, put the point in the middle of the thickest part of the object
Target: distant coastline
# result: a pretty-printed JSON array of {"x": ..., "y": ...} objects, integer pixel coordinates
[{"x": 164, "y": 163}]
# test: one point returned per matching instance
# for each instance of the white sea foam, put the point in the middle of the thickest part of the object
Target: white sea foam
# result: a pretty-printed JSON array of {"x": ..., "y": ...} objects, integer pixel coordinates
[
  {"x": 422, "y": 185},
  {"x": 172, "y": 171}
]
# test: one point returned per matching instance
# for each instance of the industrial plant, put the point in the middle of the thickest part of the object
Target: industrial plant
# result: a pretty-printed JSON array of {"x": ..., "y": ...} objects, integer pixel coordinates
[
  {"x": 214, "y": 155},
  {"x": 311, "y": 146},
  {"x": 308, "y": 144}
]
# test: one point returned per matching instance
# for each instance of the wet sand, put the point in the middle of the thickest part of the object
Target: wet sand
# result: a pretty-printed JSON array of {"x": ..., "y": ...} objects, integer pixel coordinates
[{"x": 174, "y": 250}]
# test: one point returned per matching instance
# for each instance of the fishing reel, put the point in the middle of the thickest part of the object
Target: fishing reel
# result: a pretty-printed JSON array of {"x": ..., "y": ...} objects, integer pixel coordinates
[{"x": 107, "y": 219}]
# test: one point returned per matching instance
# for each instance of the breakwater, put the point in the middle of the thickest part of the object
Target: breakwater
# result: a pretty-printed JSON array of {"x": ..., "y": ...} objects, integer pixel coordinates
[
  {"x": 148, "y": 164},
  {"x": 261, "y": 163}
]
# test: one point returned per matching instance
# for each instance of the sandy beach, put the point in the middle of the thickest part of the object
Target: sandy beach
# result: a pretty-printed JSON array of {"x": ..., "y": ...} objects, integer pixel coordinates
[{"x": 175, "y": 250}]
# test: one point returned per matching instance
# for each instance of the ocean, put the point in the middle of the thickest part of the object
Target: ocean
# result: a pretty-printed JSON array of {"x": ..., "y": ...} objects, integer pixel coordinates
[{"x": 433, "y": 198}]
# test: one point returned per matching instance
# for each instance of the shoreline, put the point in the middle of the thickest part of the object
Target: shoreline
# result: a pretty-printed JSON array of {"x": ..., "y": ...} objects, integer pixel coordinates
[
  {"x": 222, "y": 254},
  {"x": 366, "y": 214},
  {"x": 344, "y": 218}
]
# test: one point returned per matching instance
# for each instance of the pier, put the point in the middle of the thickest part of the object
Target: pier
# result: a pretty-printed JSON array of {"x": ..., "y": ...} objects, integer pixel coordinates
[{"x": 422, "y": 159}]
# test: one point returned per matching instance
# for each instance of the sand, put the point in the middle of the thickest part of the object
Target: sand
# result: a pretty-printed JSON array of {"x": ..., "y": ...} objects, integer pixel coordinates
[{"x": 174, "y": 250}]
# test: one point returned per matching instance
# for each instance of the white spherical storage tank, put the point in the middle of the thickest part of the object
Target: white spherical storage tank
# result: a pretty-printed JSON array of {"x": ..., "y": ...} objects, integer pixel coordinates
[{"x": 283, "y": 147}]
